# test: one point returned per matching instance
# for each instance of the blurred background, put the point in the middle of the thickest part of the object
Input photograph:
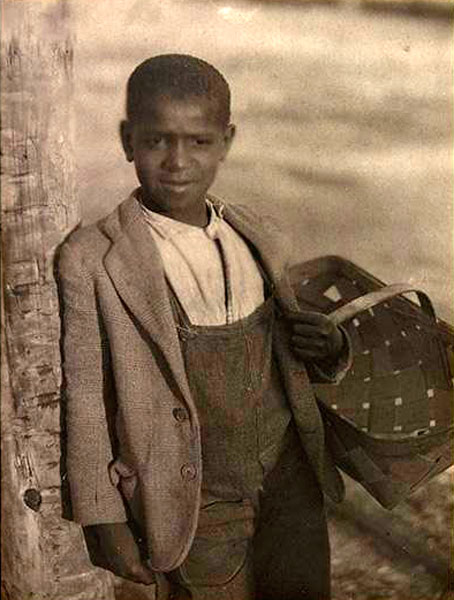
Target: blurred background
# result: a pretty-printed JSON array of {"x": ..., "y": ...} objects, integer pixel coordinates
[{"x": 344, "y": 116}]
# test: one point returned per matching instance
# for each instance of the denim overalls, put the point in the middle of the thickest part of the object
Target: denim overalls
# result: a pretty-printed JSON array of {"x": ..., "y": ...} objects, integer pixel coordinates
[{"x": 262, "y": 529}]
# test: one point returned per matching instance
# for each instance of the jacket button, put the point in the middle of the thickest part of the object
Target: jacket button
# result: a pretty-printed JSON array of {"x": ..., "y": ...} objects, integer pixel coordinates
[
  {"x": 180, "y": 414},
  {"x": 188, "y": 472}
]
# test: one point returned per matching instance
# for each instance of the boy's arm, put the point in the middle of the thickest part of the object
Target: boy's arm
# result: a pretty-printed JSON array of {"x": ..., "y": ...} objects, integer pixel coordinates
[
  {"x": 96, "y": 501},
  {"x": 112, "y": 546},
  {"x": 89, "y": 401}
]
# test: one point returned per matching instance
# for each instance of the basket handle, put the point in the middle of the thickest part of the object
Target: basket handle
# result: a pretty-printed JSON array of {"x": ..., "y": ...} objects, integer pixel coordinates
[{"x": 351, "y": 309}]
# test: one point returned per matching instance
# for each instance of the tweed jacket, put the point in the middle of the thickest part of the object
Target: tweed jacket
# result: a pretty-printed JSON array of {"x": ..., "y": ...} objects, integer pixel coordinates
[{"x": 126, "y": 384}]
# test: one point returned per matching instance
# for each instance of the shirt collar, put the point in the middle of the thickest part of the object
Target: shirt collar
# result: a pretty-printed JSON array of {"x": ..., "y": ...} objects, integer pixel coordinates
[{"x": 168, "y": 228}]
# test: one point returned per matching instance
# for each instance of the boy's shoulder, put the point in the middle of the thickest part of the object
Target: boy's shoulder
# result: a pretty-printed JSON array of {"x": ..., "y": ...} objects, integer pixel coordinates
[
  {"x": 86, "y": 242},
  {"x": 90, "y": 243},
  {"x": 101, "y": 232},
  {"x": 253, "y": 217},
  {"x": 84, "y": 235},
  {"x": 260, "y": 218},
  {"x": 260, "y": 226},
  {"x": 262, "y": 230}
]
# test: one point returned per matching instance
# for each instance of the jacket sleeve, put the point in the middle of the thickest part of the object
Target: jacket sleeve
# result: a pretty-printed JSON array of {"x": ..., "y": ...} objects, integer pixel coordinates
[{"x": 89, "y": 395}]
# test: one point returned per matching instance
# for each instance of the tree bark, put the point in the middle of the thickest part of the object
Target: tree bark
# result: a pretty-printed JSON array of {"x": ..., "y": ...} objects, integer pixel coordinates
[{"x": 43, "y": 555}]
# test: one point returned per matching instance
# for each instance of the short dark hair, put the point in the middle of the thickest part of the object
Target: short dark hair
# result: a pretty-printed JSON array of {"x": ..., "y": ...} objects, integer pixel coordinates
[{"x": 179, "y": 76}]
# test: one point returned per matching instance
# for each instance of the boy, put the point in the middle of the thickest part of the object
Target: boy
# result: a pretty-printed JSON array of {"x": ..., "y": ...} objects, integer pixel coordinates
[{"x": 195, "y": 445}]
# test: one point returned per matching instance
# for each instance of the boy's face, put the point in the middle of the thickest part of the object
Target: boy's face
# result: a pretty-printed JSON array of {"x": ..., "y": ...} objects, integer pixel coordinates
[{"x": 176, "y": 146}]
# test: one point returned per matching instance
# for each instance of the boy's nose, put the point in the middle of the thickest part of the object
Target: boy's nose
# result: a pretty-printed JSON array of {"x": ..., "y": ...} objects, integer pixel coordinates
[{"x": 177, "y": 156}]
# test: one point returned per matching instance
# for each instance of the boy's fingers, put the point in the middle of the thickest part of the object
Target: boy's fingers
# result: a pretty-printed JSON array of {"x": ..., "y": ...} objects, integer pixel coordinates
[
  {"x": 145, "y": 575},
  {"x": 311, "y": 330},
  {"x": 141, "y": 574},
  {"x": 309, "y": 343},
  {"x": 308, "y": 316},
  {"x": 307, "y": 353}
]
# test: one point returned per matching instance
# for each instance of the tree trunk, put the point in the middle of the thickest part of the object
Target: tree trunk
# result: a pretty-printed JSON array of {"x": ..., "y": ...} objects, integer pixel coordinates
[{"x": 43, "y": 555}]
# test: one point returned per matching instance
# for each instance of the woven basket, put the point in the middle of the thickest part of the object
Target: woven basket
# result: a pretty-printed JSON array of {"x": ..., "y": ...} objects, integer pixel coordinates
[{"x": 390, "y": 422}]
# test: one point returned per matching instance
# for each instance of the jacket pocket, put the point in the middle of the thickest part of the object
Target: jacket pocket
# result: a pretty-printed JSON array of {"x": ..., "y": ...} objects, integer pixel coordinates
[
  {"x": 220, "y": 547},
  {"x": 126, "y": 479}
]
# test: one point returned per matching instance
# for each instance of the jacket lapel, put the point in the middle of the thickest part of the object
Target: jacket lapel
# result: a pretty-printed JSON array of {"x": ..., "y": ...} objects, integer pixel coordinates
[
  {"x": 267, "y": 243},
  {"x": 134, "y": 266}
]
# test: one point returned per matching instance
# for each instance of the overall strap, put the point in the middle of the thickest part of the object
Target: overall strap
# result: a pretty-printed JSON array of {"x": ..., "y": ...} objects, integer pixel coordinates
[{"x": 182, "y": 321}]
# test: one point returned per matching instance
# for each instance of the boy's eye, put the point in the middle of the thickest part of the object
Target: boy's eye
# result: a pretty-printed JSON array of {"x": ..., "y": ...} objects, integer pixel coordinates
[
  {"x": 202, "y": 141},
  {"x": 154, "y": 141}
]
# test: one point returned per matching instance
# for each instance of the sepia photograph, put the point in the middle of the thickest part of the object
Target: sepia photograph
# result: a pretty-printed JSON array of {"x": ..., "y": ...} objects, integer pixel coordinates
[{"x": 227, "y": 310}]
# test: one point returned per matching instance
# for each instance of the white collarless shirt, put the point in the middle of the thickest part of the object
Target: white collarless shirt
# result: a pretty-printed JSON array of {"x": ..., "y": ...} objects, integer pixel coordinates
[{"x": 211, "y": 269}]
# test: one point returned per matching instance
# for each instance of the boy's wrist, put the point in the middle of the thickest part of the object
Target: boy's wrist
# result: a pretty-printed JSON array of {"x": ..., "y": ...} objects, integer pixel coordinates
[
  {"x": 334, "y": 370},
  {"x": 114, "y": 548}
]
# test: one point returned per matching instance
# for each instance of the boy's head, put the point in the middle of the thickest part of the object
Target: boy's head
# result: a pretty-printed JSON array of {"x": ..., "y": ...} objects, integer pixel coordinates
[
  {"x": 177, "y": 76},
  {"x": 177, "y": 132}
]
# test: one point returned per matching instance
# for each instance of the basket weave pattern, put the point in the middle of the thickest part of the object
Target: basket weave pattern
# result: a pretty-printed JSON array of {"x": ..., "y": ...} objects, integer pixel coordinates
[
  {"x": 398, "y": 382},
  {"x": 390, "y": 420}
]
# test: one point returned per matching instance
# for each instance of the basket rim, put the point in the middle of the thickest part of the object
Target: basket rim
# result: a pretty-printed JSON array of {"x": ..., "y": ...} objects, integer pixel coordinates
[
  {"x": 402, "y": 445},
  {"x": 312, "y": 267}
]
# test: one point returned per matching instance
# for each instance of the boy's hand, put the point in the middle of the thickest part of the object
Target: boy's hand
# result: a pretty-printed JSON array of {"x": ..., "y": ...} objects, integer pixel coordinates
[
  {"x": 315, "y": 337},
  {"x": 117, "y": 551}
]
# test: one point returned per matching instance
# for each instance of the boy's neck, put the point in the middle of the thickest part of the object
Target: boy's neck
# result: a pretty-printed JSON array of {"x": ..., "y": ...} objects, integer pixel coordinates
[{"x": 197, "y": 215}]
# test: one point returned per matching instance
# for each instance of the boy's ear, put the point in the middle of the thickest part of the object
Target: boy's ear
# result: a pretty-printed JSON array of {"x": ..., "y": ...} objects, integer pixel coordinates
[
  {"x": 125, "y": 135},
  {"x": 229, "y": 135}
]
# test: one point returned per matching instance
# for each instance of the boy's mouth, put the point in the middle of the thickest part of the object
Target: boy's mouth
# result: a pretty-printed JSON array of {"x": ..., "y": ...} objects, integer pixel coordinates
[{"x": 176, "y": 184}]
